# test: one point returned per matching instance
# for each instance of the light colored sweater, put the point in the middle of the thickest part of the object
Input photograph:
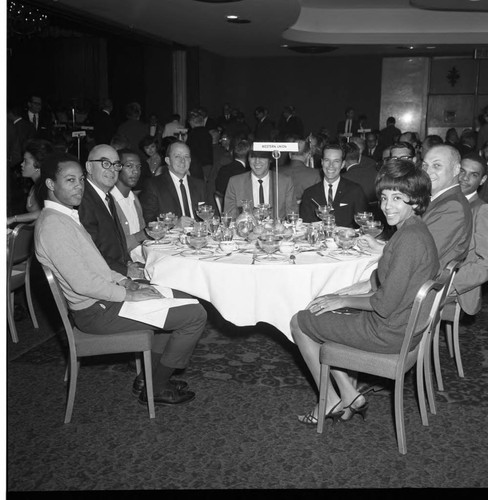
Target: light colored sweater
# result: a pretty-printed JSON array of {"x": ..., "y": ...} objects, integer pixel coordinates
[{"x": 68, "y": 250}]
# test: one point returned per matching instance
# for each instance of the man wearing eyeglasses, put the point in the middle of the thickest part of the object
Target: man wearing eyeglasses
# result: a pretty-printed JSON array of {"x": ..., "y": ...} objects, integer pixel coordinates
[
  {"x": 129, "y": 208},
  {"x": 98, "y": 213},
  {"x": 403, "y": 151}
]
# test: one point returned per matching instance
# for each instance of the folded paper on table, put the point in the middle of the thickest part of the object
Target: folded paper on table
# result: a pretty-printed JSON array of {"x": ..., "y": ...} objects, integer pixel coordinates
[{"x": 154, "y": 311}]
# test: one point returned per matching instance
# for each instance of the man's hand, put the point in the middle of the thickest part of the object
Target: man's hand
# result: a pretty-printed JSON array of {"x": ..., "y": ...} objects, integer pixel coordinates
[
  {"x": 184, "y": 221},
  {"x": 128, "y": 284},
  {"x": 143, "y": 293}
]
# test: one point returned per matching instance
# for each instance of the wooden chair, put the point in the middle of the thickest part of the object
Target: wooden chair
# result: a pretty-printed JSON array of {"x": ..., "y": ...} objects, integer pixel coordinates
[
  {"x": 20, "y": 251},
  {"x": 82, "y": 344},
  {"x": 219, "y": 202},
  {"x": 391, "y": 366},
  {"x": 433, "y": 347}
]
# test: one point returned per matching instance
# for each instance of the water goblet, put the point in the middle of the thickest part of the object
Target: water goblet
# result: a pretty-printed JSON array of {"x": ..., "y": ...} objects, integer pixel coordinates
[
  {"x": 269, "y": 243},
  {"x": 372, "y": 227},
  {"x": 321, "y": 211},
  {"x": 214, "y": 225},
  {"x": 197, "y": 240},
  {"x": 361, "y": 217},
  {"x": 156, "y": 230},
  {"x": 168, "y": 219},
  {"x": 345, "y": 239}
]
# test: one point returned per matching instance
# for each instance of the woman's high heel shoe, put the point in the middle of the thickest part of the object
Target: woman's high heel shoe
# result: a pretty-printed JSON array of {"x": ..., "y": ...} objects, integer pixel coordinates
[
  {"x": 311, "y": 419},
  {"x": 352, "y": 411}
]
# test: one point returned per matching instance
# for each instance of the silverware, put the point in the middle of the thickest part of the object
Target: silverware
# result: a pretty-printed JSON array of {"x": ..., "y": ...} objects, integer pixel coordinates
[
  {"x": 222, "y": 256},
  {"x": 177, "y": 253},
  {"x": 321, "y": 254},
  {"x": 207, "y": 257},
  {"x": 254, "y": 257}
]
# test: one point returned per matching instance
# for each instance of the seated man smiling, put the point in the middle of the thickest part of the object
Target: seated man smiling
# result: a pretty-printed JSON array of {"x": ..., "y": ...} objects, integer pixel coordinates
[{"x": 95, "y": 293}]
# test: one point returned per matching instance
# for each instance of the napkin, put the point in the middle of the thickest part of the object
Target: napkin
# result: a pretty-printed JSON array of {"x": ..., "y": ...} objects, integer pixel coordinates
[{"x": 155, "y": 311}]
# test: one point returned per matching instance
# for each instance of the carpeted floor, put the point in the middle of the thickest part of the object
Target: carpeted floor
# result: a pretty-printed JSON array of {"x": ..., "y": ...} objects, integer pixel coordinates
[{"x": 241, "y": 432}]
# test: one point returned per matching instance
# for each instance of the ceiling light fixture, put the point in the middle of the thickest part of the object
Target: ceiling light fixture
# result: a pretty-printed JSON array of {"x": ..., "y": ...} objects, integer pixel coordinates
[{"x": 232, "y": 17}]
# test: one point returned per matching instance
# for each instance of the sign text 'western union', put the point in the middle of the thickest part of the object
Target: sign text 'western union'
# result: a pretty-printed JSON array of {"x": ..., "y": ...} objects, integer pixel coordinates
[{"x": 275, "y": 146}]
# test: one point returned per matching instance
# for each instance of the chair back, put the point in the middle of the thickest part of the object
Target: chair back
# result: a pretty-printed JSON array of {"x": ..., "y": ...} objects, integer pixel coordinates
[
  {"x": 20, "y": 244},
  {"x": 219, "y": 201},
  {"x": 62, "y": 306},
  {"x": 425, "y": 310}
]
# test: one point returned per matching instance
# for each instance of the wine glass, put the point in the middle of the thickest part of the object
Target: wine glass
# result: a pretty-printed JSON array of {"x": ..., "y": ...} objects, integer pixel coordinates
[
  {"x": 361, "y": 217},
  {"x": 372, "y": 227},
  {"x": 269, "y": 243},
  {"x": 321, "y": 211},
  {"x": 197, "y": 240},
  {"x": 345, "y": 239},
  {"x": 156, "y": 230}
]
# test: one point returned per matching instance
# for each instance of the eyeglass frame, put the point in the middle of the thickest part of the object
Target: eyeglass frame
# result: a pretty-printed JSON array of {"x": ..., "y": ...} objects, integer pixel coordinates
[
  {"x": 116, "y": 164},
  {"x": 404, "y": 157}
]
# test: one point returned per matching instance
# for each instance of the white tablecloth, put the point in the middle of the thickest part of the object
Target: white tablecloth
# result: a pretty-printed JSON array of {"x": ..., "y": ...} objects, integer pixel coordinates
[{"x": 246, "y": 294}]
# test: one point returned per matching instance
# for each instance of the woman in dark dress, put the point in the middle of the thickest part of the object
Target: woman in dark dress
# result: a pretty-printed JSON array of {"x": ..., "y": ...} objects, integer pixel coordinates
[{"x": 384, "y": 303}]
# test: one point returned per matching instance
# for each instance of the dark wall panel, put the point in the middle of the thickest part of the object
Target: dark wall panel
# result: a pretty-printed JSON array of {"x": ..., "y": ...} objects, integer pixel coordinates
[{"x": 319, "y": 88}]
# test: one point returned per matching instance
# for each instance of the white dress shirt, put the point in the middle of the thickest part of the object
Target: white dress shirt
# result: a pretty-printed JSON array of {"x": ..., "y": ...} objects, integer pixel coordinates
[
  {"x": 176, "y": 181},
  {"x": 127, "y": 206},
  {"x": 255, "y": 188}
]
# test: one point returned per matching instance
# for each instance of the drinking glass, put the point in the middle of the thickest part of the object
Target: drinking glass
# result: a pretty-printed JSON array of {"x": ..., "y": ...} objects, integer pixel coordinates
[
  {"x": 345, "y": 239},
  {"x": 197, "y": 240},
  {"x": 329, "y": 225},
  {"x": 214, "y": 225},
  {"x": 168, "y": 219},
  {"x": 361, "y": 217},
  {"x": 292, "y": 218},
  {"x": 226, "y": 219},
  {"x": 269, "y": 244},
  {"x": 372, "y": 227},
  {"x": 156, "y": 230},
  {"x": 205, "y": 212},
  {"x": 321, "y": 211}
]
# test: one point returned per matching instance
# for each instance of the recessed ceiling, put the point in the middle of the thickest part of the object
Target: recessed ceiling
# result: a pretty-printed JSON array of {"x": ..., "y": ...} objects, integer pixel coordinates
[{"x": 354, "y": 27}]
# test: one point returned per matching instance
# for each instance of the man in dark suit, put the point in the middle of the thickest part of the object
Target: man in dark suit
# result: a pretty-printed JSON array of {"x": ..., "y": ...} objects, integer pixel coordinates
[
  {"x": 448, "y": 215},
  {"x": 344, "y": 196},
  {"x": 226, "y": 118},
  {"x": 349, "y": 126},
  {"x": 290, "y": 124},
  {"x": 21, "y": 131},
  {"x": 40, "y": 120},
  {"x": 264, "y": 129},
  {"x": 237, "y": 166},
  {"x": 200, "y": 143},
  {"x": 373, "y": 149},
  {"x": 103, "y": 124},
  {"x": 390, "y": 134},
  {"x": 174, "y": 190},
  {"x": 98, "y": 212}
]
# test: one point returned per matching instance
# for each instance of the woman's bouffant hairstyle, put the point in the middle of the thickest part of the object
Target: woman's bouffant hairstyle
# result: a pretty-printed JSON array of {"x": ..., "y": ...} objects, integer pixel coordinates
[
  {"x": 39, "y": 149},
  {"x": 406, "y": 177}
]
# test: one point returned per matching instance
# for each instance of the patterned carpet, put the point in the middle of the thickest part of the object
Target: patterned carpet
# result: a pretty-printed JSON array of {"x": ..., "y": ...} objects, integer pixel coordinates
[{"x": 241, "y": 432}]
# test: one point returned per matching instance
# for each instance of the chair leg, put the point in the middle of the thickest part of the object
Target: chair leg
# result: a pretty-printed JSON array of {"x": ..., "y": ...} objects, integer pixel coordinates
[
  {"x": 73, "y": 376},
  {"x": 28, "y": 295},
  {"x": 138, "y": 363},
  {"x": 399, "y": 418},
  {"x": 149, "y": 383},
  {"x": 428, "y": 382},
  {"x": 455, "y": 340},
  {"x": 448, "y": 326},
  {"x": 323, "y": 389},
  {"x": 10, "y": 318},
  {"x": 421, "y": 375},
  {"x": 437, "y": 361}
]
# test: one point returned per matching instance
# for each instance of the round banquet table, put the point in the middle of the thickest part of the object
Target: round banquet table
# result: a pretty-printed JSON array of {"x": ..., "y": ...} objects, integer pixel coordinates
[{"x": 246, "y": 294}]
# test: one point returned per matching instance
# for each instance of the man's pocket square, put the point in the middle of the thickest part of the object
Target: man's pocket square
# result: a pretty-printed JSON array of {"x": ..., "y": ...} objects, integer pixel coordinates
[{"x": 343, "y": 204}]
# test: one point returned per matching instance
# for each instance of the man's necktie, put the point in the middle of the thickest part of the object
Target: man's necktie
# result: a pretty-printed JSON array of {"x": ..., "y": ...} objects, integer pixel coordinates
[
  {"x": 261, "y": 192},
  {"x": 120, "y": 231},
  {"x": 184, "y": 197},
  {"x": 35, "y": 120},
  {"x": 330, "y": 196}
]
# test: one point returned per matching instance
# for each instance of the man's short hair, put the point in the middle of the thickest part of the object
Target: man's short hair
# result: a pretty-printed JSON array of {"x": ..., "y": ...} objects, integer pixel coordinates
[
  {"x": 432, "y": 140},
  {"x": 404, "y": 145},
  {"x": 333, "y": 147},
  {"x": 476, "y": 158},
  {"x": 259, "y": 154},
  {"x": 390, "y": 120},
  {"x": 50, "y": 168},
  {"x": 242, "y": 148},
  {"x": 133, "y": 110},
  {"x": 127, "y": 151},
  {"x": 352, "y": 152}
]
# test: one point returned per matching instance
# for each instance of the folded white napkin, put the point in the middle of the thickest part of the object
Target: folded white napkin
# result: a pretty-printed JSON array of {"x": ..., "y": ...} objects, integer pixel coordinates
[{"x": 153, "y": 312}]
